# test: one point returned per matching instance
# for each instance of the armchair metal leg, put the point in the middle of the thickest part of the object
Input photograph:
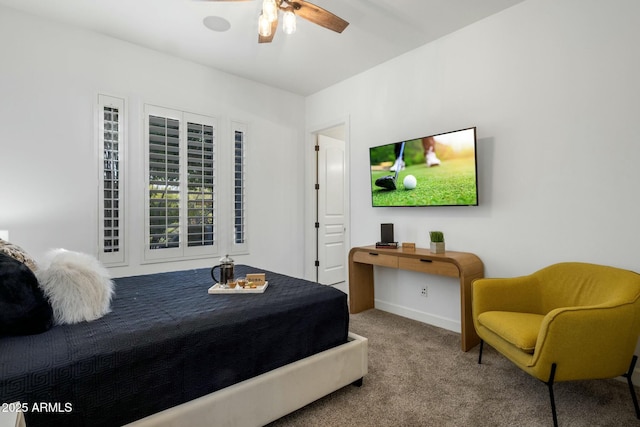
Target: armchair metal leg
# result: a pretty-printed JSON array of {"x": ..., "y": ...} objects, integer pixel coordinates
[
  {"x": 628, "y": 376},
  {"x": 551, "y": 397},
  {"x": 552, "y": 375}
]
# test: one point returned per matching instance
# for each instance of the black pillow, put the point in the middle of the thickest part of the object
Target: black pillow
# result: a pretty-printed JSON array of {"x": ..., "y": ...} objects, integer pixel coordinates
[{"x": 24, "y": 309}]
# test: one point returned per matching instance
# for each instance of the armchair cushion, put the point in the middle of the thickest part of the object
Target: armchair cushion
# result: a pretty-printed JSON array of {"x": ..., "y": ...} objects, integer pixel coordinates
[{"x": 518, "y": 329}]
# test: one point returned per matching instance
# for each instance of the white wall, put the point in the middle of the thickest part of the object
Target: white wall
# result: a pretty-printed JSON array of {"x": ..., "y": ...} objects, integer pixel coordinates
[
  {"x": 553, "y": 88},
  {"x": 49, "y": 80}
]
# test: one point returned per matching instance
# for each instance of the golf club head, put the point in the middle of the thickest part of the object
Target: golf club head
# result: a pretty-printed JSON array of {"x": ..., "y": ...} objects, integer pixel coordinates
[{"x": 388, "y": 182}]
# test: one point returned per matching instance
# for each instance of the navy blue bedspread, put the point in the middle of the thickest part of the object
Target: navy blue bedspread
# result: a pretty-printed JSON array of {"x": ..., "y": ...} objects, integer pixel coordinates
[{"x": 165, "y": 342}]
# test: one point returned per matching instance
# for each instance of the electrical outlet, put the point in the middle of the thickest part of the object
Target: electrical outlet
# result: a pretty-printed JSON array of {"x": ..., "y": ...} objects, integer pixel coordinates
[{"x": 424, "y": 292}]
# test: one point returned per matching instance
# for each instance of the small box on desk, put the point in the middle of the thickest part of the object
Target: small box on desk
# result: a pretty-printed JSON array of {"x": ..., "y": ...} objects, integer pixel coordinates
[{"x": 408, "y": 247}]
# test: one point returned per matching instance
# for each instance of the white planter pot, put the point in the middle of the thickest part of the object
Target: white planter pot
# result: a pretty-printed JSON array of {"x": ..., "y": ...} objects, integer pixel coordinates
[{"x": 437, "y": 247}]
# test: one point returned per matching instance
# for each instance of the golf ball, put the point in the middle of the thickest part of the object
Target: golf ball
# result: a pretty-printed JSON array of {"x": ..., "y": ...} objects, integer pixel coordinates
[{"x": 410, "y": 182}]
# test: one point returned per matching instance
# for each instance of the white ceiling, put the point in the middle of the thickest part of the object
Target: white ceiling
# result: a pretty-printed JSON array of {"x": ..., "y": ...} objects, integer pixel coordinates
[{"x": 308, "y": 61}]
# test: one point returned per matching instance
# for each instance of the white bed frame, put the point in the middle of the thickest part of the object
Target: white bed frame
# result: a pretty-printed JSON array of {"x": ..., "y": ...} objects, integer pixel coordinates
[{"x": 272, "y": 395}]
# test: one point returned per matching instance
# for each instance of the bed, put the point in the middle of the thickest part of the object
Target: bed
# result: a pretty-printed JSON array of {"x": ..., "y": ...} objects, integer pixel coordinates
[{"x": 171, "y": 354}]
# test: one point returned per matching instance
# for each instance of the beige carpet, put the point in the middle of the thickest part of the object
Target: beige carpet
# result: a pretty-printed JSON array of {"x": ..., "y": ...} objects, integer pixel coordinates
[{"x": 418, "y": 376}]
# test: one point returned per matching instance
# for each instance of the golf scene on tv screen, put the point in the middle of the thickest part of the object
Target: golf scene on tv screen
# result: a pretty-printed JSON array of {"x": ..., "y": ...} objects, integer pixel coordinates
[{"x": 436, "y": 170}]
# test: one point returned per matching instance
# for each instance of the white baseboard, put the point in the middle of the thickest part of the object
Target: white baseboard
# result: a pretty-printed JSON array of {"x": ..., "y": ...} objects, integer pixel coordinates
[{"x": 420, "y": 316}]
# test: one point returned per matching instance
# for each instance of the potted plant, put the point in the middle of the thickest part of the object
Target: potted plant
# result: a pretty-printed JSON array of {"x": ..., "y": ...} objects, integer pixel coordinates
[{"x": 437, "y": 242}]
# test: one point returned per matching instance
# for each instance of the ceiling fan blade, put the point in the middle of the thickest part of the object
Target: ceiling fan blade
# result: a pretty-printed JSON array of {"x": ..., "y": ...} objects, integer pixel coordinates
[
  {"x": 274, "y": 27},
  {"x": 318, "y": 15}
]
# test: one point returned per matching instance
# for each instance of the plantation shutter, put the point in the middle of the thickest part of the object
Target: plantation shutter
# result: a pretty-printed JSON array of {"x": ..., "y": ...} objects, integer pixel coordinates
[
  {"x": 181, "y": 206},
  {"x": 111, "y": 202},
  {"x": 200, "y": 175},
  {"x": 239, "y": 244},
  {"x": 164, "y": 183}
]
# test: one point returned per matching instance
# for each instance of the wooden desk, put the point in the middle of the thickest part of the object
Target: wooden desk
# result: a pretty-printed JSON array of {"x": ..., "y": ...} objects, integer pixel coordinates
[{"x": 463, "y": 265}]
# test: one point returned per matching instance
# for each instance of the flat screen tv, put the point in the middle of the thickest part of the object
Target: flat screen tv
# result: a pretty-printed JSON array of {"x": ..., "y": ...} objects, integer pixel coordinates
[{"x": 435, "y": 170}]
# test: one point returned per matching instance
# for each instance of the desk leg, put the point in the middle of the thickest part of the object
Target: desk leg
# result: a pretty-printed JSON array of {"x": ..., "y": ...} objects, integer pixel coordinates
[
  {"x": 361, "y": 294},
  {"x": 469, "y": 336}
]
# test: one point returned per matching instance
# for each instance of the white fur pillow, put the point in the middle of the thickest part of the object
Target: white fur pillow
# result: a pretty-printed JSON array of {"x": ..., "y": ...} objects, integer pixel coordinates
[{"x": 78, "y": 286}]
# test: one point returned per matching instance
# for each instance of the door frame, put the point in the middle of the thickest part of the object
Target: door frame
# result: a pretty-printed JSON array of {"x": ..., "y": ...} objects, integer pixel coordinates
[{"x": 310, "y": 235}]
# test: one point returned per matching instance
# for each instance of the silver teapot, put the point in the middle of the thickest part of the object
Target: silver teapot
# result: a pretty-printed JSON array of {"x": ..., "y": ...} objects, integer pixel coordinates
[{"x": 226, "y": 270}]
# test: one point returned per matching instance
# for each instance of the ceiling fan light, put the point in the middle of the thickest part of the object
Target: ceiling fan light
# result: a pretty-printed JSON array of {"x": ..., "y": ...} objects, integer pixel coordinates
[
  {"x": 289, "y": 22},
  {"x": 270, "y": 10},
  {"x": 264, "y": 26}
]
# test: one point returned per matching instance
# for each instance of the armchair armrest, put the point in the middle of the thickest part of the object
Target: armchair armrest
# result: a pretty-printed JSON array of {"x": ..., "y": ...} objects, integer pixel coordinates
[
  {"x": 587, "y": 342},
  {"x": 518, "y": 294}
]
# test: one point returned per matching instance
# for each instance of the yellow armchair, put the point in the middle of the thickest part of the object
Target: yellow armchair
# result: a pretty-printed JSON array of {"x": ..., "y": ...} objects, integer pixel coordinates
[{"x": 568, "y": 321}]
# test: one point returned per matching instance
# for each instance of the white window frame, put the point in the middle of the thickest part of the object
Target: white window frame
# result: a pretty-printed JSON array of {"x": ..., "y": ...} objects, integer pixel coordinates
[
  {"x": 183, "y": 251},
  {"x": 117, "y": 257},
  {"x": 238, "y": 248}
]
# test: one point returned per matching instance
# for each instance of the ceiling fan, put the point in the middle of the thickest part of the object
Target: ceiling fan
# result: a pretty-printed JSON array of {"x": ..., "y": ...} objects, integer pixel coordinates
[{"x": 268, "y": 20}]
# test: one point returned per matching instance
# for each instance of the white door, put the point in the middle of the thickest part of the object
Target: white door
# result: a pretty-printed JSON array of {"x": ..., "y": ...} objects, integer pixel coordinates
[{"x": 331, "y": 211}]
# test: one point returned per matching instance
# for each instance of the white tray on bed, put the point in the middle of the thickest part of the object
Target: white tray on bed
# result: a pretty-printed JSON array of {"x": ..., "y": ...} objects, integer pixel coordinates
[{"x": 217, "y": 289}]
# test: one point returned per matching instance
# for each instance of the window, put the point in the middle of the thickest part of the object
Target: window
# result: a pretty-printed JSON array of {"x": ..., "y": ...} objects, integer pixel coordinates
[
  {"x": 181, "y": 205},
  {"x": 111, "y": 132},
  {"x": 239, "y": 243}
]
